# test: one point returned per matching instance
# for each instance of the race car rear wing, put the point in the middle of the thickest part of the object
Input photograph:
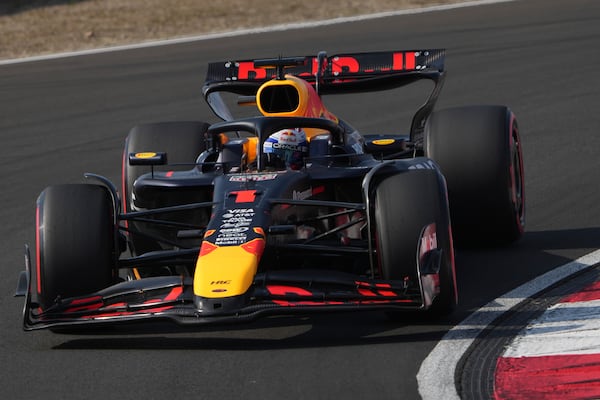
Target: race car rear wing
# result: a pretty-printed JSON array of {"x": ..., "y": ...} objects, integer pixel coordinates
[{"x": 338, "y": 74}]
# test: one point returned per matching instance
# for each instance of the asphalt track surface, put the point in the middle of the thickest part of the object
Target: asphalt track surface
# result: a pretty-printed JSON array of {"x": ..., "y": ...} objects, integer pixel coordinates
[{"x": 61, "y": 118}]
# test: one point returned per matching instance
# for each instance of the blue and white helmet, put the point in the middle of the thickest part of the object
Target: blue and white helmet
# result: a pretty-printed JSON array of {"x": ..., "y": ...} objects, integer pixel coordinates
[{"x": 288, "y": 146}]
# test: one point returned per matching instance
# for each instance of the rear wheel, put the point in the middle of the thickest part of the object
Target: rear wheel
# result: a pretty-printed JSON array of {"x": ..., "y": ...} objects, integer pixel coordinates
[
  {"x": 182, "y": 141},
  {"x": 405, "y": 204},
  {"x": 479, "y": 152},
  {"x": 76, "y": 244}
]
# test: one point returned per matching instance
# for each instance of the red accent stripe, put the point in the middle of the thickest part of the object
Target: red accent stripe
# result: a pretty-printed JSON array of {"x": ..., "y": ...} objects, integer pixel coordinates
[
  {"x": 153, "y": 301},
  {"x": 367, "y": 293},
  {"x": 280, "y": 290},
  {"x": 207, "y": 247},
  {"x": 410, "y": 61},
  {"x": 317, "y": 190},
  {"x": 589, "y": 293},
  {"x": 245, "y": 196},
  {"x": 85, "y": 304},
  {"x": 398, "y": 61},
  {"x": 90, "y": 307},
  {"x": 563, "y": 377},
  {"x": 86, "y": 300},
  {"x": 175, "y": 293},
  {"x": 387, "y": 293},
  {"x": 255, "y": 247},
  {"x": 159, "y": 309},
  {"x": 117, "y": 305}
]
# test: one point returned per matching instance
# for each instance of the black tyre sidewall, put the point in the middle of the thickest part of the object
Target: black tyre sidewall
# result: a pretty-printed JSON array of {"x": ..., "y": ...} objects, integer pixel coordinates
[
  {"x": 404, "y": 205},
  {"x": 76, "y": 247},
  {"x": 474, "y": 147}
]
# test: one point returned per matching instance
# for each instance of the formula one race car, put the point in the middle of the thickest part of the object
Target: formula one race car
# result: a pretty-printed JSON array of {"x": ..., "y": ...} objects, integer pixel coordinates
[{"x": 289, "y": 210}]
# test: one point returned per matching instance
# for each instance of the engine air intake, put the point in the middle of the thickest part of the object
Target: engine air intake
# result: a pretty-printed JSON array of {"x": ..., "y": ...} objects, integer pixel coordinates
[{"x": 279, "y": 99}]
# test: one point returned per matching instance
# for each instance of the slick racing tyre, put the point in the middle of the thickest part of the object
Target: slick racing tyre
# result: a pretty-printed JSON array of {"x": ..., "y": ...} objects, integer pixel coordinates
[
  {"x": 479, "y": 152},
  {"x": 405, "y": 204},
  {"x": 182, "y": 141},
  {"x": 76, "y": 245}
]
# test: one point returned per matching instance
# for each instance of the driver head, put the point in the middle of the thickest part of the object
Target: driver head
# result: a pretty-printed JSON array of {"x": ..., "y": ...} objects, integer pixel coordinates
[{"x": 286, "y": 147}]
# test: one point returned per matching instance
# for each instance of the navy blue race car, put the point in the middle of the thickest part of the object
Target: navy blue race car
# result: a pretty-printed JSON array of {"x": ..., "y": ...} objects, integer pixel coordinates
[{"x": 287, "y": 210}]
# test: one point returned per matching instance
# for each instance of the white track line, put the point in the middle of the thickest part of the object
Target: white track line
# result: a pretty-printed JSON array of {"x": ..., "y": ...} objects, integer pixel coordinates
[
  {"x": 244, "y": 32},
  {"x": 436, "y": 375}
]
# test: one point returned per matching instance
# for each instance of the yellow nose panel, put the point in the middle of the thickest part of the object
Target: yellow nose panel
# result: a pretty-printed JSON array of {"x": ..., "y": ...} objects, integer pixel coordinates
[{"x": 224, "y": 271}]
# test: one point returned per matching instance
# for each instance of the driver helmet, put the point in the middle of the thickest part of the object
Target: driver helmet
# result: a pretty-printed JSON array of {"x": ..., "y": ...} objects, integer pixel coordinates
[{"x": 286, "y": 147}]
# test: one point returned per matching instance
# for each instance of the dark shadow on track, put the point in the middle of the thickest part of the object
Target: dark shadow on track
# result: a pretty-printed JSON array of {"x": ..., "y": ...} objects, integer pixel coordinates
[
  {"x": 586, "y": 238},
  {"x": 484, "y": 274},
  {"x": 315, "y": 331}
]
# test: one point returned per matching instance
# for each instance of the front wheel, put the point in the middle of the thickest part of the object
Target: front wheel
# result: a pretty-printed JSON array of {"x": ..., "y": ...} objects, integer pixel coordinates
[
  {"x": 406, "y": 205},
  {"x": 76, "y": 245}
]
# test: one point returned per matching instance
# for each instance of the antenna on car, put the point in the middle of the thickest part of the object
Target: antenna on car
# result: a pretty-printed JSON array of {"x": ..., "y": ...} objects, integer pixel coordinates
[
  {"x": 280, "y": 64},
  {"x": 280, "y": 68}
]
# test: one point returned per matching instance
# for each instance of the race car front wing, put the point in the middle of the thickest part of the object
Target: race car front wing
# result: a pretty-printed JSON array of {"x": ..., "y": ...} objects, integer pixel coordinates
[{"x": 172, "y": 298}]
